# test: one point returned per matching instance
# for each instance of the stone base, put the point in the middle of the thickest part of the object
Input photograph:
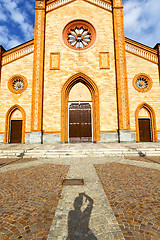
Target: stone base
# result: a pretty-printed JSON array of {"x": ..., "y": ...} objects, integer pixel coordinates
[
  {"x": 1, "y": 138},
  {"x": 51, "y": 137},
  {"x": 158, "y": 136},
  {"x": 133, "y": 136},
  {"x": 109, "y": 137},
  {"x": 27, "y": 138},
  {"x": 35, "y": 137},
  {"x": 126, "y": 136}
]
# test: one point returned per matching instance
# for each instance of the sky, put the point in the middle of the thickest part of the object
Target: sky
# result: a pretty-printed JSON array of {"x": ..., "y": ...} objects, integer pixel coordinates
[{"x": 141, "y": 21}]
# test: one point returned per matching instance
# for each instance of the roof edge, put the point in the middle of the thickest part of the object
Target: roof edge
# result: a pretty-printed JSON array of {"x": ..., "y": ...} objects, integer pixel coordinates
[
  {"x": 18, "y": 47},
  {"x": 137, "y": 44}
]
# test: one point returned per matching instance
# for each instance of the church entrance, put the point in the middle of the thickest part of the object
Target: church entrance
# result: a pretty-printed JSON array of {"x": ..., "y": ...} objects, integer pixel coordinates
[
  {"x": 16, "y": 131},
  {"x": 80, "y": 124},
  {"x": 145, "y": 132}
]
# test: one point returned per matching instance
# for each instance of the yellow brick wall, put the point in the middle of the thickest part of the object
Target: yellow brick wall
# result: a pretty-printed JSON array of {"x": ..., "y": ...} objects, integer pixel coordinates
[
  {"x": 22, "y": 66},
  {"x": 80, "y": 92},
  {"x": 72, "y": 62},
  {"x": 136, "y": 65}
]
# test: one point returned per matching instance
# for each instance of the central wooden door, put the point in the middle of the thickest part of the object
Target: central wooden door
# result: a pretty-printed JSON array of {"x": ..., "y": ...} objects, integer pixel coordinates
[
  {"x": 144, "y": 129},
  {"x": 80, "y": 127},
  {"x": 16, "y": 131}
]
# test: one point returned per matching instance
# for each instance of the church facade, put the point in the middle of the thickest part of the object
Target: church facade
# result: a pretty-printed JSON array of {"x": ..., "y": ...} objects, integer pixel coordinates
[{"x": 80, "y": 79}]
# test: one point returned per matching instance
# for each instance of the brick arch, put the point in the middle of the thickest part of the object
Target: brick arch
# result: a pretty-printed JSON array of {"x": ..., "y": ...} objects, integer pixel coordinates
[
  {"x": 7, "y": 122},
  {"x": 89, "y": 83},
  {"x": 152, "y": 117}
]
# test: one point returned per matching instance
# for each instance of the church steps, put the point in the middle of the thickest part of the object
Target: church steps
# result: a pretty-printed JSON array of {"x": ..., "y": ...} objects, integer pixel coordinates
[{"x": 43, "y": 153}]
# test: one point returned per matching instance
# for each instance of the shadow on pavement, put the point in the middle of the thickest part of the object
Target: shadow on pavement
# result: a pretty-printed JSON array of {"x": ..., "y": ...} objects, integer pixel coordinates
[{"x": 78, "y": 219}]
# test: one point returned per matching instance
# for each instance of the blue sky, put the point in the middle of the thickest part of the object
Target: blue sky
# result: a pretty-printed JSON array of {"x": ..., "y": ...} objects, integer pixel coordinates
[{"x": 141, "y": 18}]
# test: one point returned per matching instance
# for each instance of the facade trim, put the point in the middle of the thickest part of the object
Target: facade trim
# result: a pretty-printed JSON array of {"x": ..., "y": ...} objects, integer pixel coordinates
[{"x": 52, "y": 5}]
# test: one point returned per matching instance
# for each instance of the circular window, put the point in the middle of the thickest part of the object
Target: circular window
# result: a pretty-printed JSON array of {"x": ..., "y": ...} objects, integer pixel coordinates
[
  {"x": 79, "y": 34},
  {"x": 142, "y": 82},
  {"x": 17, "y": 84}
]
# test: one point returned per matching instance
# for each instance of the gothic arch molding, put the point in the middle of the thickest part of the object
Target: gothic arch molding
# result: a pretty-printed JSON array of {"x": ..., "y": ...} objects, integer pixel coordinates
[
  {"x": 7, "y": 122},
  {"x": 89, "y": 83},
  {"x": 152, "y": 117}
]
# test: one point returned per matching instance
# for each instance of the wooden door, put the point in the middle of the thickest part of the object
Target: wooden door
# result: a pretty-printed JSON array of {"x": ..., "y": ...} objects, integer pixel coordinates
[
  {"x": 16, "y": 131},
  {"x": 80, "y": 128},
  {"x": 144, "y": 129}
]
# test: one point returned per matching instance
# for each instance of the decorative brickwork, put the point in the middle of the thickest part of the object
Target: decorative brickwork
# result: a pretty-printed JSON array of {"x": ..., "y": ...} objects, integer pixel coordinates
[
  {"x": 38, "y": 68},
  {"x": 141, "y": 50},
  {"x": 122, "y": 85},
  {"x": 17, "y": 53},
  {"x": 52, "y": 5}
]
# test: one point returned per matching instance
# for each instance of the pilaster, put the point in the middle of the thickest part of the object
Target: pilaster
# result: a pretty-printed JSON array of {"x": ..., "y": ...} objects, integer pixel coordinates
[
  {"x": 157, "y": 47},
  {"x": 121, "y": 69},
  {"x": 38, "y": 67},
  {"x": 2, "y": 50}
]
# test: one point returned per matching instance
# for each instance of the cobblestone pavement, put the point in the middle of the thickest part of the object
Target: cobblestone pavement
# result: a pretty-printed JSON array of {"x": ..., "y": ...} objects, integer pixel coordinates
[
  {"x": 134, "y": 195},
  {"x": 8, "y": 161},
  {"x": 150, "y": 159},
  {"x": 28, "y": 200},
  {"x": 122, "y": 203}
]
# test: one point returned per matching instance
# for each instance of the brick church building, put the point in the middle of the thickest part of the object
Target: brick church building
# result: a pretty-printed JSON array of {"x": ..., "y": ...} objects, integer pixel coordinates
[{"x": 80, "y": 79}]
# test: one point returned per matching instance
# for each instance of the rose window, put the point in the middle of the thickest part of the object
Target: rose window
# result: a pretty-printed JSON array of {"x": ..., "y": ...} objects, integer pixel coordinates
[
  {"x": 79, "y": 35},
  {"x": 17, "y": 84},
  {"x": 142, "y": 83}
]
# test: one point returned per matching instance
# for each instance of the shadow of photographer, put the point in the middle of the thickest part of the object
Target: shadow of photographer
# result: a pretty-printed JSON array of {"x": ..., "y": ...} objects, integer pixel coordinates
[{"x": 78, "y": 219}]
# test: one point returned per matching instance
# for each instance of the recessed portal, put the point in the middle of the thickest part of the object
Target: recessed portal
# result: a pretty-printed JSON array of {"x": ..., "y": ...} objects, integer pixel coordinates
[
  {"x": 144, "y": 129},
  {"x": 79, "y": 88},
  {"x": 80, "y": 127}
]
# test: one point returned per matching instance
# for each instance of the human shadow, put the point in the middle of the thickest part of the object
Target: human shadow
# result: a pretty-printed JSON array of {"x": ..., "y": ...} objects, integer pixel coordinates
[{"x": 78, "y": 219}]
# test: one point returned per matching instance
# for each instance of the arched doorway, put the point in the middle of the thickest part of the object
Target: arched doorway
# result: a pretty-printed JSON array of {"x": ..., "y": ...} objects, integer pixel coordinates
[
  {"x": 90, "y": 108},
  {"x": 80, "y": 114},
  {"x": 145, "y": 124},
  {"x": 15, "y": 125}
]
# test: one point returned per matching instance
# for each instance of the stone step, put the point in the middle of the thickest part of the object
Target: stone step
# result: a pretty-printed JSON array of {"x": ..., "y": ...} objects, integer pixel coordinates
[{"x": 85, "y": 152}]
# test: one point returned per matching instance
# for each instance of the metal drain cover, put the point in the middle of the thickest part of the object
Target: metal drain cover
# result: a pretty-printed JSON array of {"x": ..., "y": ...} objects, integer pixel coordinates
[{"x": 73, "y": 182}]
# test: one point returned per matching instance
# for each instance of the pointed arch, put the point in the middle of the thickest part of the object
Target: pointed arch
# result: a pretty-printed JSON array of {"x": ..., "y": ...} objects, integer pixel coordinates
[
  {"x": 7, "y": 122},
  {"x": 152, "y": 117},
  {"x": 89, "y": 83}
]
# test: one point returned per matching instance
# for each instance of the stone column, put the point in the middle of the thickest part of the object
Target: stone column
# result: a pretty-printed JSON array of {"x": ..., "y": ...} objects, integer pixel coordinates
[
  {"x": 38, "y": 73},
  {"x": 121, "y": 73}
]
